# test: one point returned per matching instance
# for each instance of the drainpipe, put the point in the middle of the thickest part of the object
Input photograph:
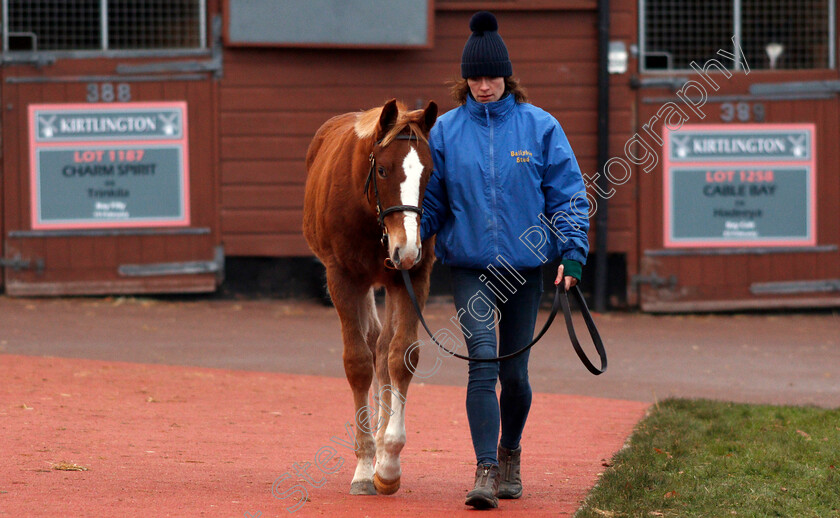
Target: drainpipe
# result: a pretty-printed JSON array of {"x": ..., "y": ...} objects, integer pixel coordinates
[{"x": 603, "y": 154}]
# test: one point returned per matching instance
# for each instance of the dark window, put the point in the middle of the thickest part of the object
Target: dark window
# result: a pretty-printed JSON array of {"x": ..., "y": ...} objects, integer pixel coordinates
[
  {"x": 777, "y": 34},
  {"x": 54, "y": 25},
  {"x": 153, "y": 24},
  {"x": 678, "y": 32},
  {"x": 794, "y": 32},
  {"x": 57, "y": 25}
]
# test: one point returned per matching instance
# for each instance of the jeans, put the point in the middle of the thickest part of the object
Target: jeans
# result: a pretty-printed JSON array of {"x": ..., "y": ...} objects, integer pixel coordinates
[{"x": 478, "y": 307}]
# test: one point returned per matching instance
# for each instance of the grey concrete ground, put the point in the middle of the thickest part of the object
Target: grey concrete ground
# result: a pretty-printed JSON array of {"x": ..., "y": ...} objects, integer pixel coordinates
[{"x": 785, "y": 358}]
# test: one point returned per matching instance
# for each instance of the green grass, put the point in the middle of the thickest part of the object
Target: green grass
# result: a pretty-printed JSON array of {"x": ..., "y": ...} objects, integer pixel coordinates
[{"x": 712, "y": 459}]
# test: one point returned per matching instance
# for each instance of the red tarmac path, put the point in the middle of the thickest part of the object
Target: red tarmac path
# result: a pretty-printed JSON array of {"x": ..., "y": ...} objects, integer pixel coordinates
[
  {"x": 194, "y": 407},
  {"x": 182, "y": 441}
]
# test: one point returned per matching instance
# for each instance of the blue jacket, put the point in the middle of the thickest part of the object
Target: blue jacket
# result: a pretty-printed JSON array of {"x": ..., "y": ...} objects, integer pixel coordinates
[{"x": 497, "y": 168}]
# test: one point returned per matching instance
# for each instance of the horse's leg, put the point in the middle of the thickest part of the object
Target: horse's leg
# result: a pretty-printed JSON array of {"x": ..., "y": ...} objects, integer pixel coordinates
[
  {"x": 404, "y": 320},
  {"x": 350, "y": 302},
  {"x": 374, "y": 327},
  {"x": 373, "y": 338},
  {"x": 382, "y": 376}
]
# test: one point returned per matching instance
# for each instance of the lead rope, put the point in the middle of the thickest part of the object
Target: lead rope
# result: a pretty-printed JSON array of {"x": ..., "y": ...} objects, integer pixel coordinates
[{"x": 561, "y": 299}]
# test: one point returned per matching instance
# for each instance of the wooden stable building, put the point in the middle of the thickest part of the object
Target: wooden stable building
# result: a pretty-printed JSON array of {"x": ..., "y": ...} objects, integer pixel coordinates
[{"x": 144, "y": 145}]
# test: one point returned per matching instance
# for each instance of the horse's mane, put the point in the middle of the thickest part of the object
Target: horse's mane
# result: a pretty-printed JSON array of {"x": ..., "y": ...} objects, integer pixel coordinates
[{"x": 367, "y": 122}]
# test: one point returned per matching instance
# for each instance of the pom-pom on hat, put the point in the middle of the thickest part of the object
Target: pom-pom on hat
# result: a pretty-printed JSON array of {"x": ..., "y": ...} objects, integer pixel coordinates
[{"x": 485, "y": 53}]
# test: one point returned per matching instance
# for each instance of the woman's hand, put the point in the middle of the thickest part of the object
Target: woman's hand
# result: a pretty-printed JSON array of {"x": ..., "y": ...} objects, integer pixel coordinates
[{"x": 569, "y": 280}]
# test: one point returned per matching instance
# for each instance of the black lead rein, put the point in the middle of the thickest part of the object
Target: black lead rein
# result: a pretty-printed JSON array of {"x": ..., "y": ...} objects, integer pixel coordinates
[{"x": 561, "y": 299}]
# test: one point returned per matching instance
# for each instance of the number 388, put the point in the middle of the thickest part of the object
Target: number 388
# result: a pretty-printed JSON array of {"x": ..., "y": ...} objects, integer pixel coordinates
[{"x": 106, "y": 92}]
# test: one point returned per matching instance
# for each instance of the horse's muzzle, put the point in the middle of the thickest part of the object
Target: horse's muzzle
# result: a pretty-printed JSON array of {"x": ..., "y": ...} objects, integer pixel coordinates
[{"x": 403, "y": 260}]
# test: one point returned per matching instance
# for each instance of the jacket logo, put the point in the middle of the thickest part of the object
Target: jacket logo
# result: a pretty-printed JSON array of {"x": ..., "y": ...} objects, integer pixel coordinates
[{"x": 521, "y": 156}]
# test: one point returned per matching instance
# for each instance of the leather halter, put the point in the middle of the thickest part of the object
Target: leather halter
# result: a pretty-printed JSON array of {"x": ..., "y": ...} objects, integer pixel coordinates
[{"x": 380, "y": 212}]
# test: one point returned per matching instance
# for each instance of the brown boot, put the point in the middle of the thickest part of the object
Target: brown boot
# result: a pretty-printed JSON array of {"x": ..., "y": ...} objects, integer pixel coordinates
[
  {"x": 511, "y": 484},
  {"x": 483, "y": 495}
]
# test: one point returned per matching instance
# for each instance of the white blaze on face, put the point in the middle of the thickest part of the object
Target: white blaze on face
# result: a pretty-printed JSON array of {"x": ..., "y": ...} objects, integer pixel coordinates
[{"x": 410, "y": 195}]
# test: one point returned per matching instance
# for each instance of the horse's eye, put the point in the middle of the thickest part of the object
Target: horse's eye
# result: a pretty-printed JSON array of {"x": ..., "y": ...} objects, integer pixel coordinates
[{"x": 381, "y": 171}]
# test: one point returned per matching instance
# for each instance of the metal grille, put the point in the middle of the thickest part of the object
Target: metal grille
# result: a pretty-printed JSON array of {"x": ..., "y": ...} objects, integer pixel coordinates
[
  {"x": 56, "y": 25},
  {"x": 794, "y": 33},
  {"x": 154, "y": 24},
  {"x": 797, "y": 33},
  {"x": 678, "y": 32}
]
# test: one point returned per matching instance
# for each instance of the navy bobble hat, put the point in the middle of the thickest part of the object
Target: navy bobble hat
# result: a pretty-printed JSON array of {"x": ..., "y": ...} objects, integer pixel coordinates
[{"x": 485, "y": 53}]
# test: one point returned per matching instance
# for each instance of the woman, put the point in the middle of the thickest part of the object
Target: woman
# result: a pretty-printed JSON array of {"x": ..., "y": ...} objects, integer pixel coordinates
[{"x": 503, "y": 167}]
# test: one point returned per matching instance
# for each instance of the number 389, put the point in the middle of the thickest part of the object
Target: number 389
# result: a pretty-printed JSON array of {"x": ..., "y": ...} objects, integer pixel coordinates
[{"x": 743, "y": 112}]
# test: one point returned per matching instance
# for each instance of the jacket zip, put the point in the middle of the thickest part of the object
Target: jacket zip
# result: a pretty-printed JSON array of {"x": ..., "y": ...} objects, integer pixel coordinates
[{"x": 493, "y": 201}]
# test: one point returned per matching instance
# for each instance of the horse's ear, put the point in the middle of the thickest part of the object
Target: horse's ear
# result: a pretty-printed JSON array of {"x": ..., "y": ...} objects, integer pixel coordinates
[
  {"x": 430, "y": 116},
  {"x": 387, "y": 118}
]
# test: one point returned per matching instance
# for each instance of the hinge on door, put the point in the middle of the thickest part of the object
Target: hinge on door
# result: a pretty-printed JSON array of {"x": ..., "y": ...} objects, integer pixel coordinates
[
  {"x": 674, "y": 83},
  {"x": 655, "y": 281},
  {"x": 795, "y": 287},
  {"x": 216, "y": 265},
  {"x": 17, "y": 263},
  {"x": 37, "y": 60}
]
